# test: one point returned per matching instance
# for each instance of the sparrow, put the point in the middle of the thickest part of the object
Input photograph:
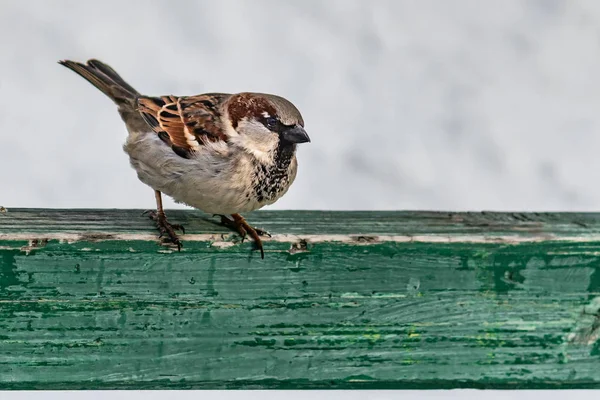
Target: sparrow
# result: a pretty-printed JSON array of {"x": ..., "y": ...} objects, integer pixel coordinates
[{"x": 221, "y": 153}]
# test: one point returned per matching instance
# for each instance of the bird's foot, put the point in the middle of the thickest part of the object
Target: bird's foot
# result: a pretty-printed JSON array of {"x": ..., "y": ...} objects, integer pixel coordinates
[
  {"x": 166, "y": 229},
  {"x": 239, "y": 224}
]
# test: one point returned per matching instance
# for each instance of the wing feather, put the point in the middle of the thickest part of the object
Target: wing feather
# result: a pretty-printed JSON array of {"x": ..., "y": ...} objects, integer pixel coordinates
[{"x": 188, "y": 122}]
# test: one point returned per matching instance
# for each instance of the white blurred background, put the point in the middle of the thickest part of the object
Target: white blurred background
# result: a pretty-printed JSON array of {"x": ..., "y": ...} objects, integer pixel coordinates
[
  {"x": 428, "y": 104},
  {"x": 411, "y": 104}
]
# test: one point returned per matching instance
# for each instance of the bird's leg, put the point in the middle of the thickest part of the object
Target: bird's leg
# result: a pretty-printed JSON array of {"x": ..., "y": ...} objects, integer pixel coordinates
[
  {"x": 166, "y": 229},
  {"x": 239, "y": 224}
]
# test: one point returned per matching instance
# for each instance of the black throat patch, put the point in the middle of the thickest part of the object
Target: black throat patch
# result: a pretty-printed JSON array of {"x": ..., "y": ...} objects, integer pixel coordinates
[{"x": 272, "y": 179}]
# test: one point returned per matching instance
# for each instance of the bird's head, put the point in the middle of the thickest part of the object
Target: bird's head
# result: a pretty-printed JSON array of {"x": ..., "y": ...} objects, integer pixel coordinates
[{"x": 263, "y": 123}]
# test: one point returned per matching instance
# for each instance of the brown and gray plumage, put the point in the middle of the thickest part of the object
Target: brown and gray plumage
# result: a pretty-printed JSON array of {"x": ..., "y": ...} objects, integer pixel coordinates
[{"x": 224, "y": 154}]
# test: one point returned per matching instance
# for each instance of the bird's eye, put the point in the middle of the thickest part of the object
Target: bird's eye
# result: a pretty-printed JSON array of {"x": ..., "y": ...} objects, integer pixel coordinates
[{"x": 271, "y": 123}]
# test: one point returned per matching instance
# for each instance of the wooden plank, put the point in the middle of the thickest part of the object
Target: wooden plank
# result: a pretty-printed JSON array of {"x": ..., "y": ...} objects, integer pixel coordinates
[{"x": 342, "y": 300}]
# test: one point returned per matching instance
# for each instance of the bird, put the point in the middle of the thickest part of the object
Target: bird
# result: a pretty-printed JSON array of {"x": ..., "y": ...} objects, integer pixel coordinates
[{"x": 222, "y": 153}]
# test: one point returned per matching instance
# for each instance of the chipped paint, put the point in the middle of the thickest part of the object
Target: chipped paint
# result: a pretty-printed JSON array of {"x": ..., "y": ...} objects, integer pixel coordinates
[
  {"x": 34, "y": 244},
  {"x": 300, "y": 246},
  {"x": 222, "y": 244},
  {"x": 374, "y": 300},
  {"x": 287, "y": 238}
]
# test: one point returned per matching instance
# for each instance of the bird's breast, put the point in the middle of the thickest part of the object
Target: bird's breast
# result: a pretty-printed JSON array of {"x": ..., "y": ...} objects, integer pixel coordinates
[
  {"x": 271, "y": 181},
  {"x": 209, "y": 181}
]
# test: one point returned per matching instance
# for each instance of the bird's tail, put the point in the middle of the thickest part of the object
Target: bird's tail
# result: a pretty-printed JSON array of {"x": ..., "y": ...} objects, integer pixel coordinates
[{"x": 106, "y": 80}]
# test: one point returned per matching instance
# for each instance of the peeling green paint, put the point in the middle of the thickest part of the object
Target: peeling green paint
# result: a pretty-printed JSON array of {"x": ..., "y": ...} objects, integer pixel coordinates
[{"x": 107, "y": 313}]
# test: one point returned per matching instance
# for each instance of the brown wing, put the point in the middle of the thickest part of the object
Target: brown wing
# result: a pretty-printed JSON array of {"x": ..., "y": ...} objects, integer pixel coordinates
[{"x": 184, "y": 123}]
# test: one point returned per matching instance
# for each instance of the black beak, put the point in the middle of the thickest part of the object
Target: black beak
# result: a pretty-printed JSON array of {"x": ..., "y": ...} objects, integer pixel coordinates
[{"x": 295, "y": 134}]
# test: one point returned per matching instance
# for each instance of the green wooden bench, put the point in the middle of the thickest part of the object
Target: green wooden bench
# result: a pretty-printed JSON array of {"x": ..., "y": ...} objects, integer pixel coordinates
[{"x": 88, "y": 299}]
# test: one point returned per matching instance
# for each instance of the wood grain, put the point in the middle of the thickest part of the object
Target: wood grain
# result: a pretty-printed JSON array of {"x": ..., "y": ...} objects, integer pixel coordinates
[{"x": 88, "y": 299}]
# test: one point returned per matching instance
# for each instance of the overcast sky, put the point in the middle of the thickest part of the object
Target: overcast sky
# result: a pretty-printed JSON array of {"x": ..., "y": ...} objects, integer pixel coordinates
[{"x": 461, "y": 105}]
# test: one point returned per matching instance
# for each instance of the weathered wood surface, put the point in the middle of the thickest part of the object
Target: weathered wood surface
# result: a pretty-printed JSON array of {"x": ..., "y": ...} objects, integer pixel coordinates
[{"x": 342, "y": 300}]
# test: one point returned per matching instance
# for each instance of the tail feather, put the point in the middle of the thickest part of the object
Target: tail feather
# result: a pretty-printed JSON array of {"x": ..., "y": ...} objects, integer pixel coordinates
[
  {"x": 111, "y": 84},
  {"x": 105, "y": 79}
]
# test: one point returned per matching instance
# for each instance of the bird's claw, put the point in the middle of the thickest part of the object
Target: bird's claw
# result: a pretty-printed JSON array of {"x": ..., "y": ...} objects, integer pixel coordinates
[
  {"x": 262, "y": 232},
  {"x": 242, "y": 227},
  {"x": 166, "y": 230}
]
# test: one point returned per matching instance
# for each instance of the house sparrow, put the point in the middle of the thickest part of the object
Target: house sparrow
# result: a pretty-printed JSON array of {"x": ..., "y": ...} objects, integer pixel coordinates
[{"x": 221, "y": 153}]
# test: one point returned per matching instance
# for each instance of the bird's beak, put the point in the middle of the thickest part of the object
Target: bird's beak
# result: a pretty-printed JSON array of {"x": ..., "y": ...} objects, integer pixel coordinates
[{"x": 296, "y": 134}]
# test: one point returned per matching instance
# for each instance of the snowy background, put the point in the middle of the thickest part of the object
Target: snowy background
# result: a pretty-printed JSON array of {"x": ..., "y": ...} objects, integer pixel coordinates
[{"x": 462, "y": 105}]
